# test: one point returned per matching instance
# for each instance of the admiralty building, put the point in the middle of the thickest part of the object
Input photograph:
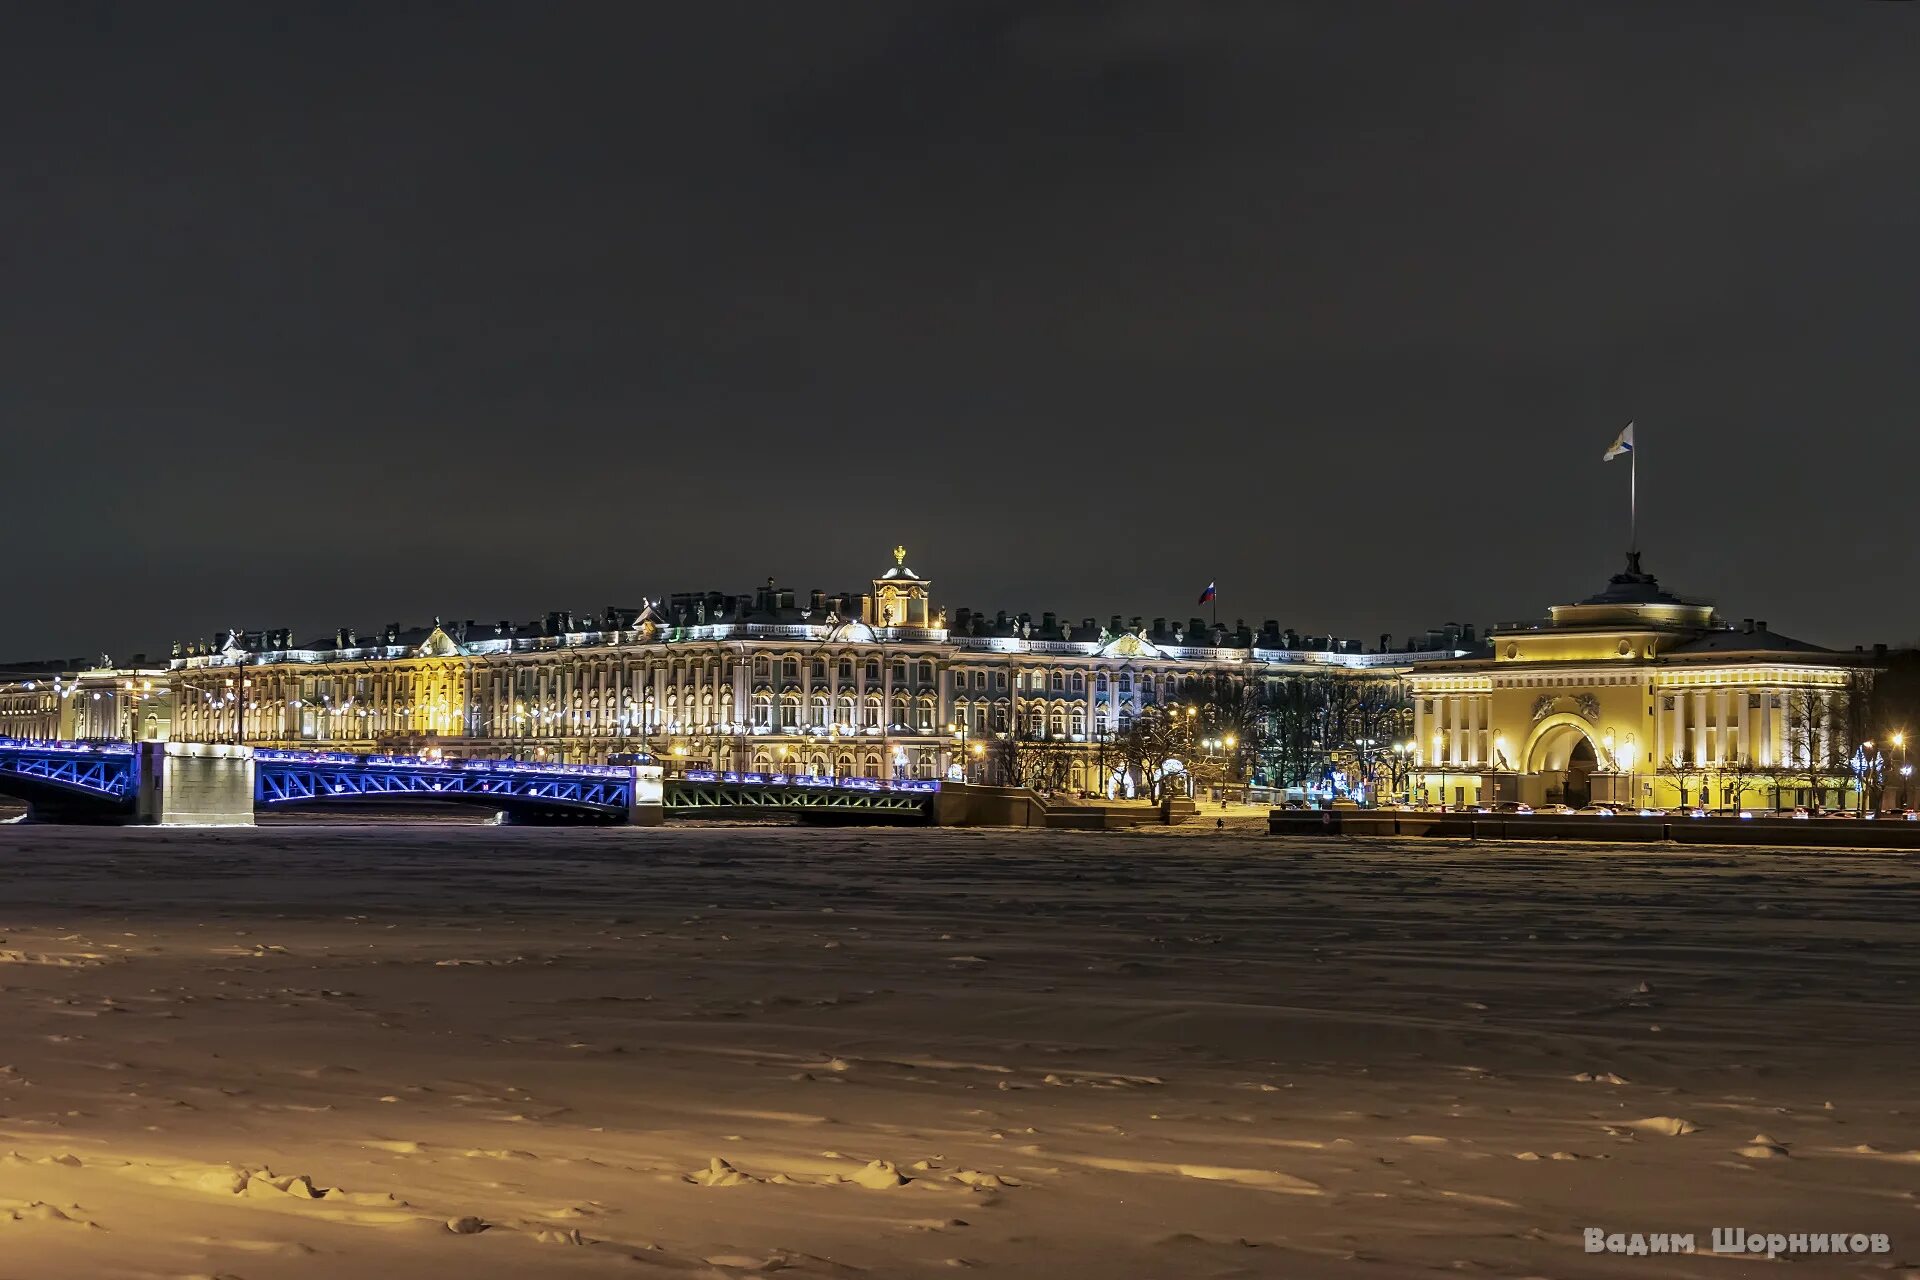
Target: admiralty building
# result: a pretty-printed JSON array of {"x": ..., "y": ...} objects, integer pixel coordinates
[{"x": 1631, "y": 694}]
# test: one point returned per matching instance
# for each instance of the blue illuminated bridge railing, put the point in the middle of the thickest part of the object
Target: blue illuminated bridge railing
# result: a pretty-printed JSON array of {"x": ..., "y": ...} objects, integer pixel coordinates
[
  {"x": 304, "y": 777},
  {"x": 102, "y": 770}
]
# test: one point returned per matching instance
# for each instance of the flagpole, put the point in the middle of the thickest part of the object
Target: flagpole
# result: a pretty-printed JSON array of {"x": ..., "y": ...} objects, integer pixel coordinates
[{"x": 1633, "y": 499}]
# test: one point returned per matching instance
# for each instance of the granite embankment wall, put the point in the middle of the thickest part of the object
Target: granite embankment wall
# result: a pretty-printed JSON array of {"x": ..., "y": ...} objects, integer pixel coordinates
[{"x": 1847, "y": 833}]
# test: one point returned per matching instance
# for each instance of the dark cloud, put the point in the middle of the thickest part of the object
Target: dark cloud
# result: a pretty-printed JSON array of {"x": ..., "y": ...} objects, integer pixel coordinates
[{"x": 333, "y": 314}]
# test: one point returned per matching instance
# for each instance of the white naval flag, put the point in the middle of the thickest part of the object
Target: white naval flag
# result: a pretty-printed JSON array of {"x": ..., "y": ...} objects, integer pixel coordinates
[{"x": 1622, "y": 444}]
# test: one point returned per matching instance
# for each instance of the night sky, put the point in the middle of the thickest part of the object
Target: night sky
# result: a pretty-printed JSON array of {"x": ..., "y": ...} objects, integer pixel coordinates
[{"x": 323, "y": 315}]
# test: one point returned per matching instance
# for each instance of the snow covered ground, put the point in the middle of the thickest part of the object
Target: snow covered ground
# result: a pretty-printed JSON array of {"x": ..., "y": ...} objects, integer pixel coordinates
[{"x": 383, "y": 1052}]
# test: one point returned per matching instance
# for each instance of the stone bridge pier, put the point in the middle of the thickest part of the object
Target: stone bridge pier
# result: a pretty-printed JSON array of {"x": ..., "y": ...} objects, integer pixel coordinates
[{"x": 195, "y": 784}]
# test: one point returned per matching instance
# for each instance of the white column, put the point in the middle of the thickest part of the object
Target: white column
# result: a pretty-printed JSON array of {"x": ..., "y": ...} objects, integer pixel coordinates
[
  {"x": 1658, "y": 747},
  {"x": 1420, "y": 726}
]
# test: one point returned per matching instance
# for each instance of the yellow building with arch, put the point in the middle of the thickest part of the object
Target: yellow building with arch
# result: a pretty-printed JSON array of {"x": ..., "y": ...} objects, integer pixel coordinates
[{"x": 1639, "y": 697}]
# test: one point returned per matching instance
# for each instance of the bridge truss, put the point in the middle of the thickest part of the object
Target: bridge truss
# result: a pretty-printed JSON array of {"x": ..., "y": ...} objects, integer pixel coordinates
[
  {"x": 704, "y": 791},
  {"x": 97, "y": 770},
  {"x": 306, "y": 777}
]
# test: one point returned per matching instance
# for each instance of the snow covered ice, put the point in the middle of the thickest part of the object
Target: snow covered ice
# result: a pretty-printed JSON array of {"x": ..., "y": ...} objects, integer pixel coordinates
[{"x": 419, "y": 1051}]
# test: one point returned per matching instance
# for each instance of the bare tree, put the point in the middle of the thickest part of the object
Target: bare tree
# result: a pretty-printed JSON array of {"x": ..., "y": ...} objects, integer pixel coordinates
[
  {"x": 1816, "y": 741},
  {"x": 1149, "y": 744},
  {"x": 1684, "y": 775},
  {"x": 1737, "y": 777},
  {"x": 1292, "y": 738},
  {"x": 1037, "y": 763}
]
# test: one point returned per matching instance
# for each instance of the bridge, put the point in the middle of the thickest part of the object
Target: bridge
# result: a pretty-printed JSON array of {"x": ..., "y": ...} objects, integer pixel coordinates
[
  {"x": 213, "y": 784},
  {"x": 72, "y": 781},
  {"x": 217, "y": 784},
  {"x": 704, "y": 793},
  {"x": 525, "y": 792}
]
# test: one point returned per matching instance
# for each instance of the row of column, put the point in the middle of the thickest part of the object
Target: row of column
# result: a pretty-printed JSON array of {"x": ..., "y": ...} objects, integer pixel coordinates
[
  {"x": 1456, "y": 732},
  {"x": 1713, "y": 726}
]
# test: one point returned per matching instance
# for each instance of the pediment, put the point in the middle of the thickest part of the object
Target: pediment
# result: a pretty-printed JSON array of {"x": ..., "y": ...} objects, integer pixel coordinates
[
  {"x": 439, "y": 645},
  {"x": 1130, "y": 645}
]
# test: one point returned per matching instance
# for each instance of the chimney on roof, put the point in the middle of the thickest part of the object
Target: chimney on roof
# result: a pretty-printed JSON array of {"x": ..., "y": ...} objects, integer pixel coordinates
[
  {"x": 1048, "y": 622},
  {"x": 1761, "y": 625},
  {"x": 817, "y": 600},
  {"x": 1746, "y": 625}
]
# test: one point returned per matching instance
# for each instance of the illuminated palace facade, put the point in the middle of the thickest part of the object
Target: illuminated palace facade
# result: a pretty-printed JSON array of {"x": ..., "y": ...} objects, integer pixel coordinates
[
  {"x": 1636, "y": 696},
  {"x": 883, "y": 684},
  {"x": 1632, "y": 695},
  {"x": 70, "y": 701}
]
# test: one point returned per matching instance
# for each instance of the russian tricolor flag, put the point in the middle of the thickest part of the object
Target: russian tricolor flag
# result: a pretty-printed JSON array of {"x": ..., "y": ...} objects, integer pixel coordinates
[{"x": 1208, "y": 594}]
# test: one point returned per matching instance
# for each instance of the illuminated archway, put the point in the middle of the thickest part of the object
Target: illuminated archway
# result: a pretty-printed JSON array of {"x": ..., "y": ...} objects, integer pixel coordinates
[{"x": 1552, "y": 741}]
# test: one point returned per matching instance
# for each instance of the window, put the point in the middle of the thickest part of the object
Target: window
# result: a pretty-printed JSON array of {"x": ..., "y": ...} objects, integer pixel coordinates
[
  {"x": 923, "y": 718},
  {"x": 1000, "y": 681},
  {"x": 999, "y": 717},
  {"x": 1100, "y": 683},
  {"x": 900, "y": 671},
  {"x": 1079, "y": 682},
  {"x": 1079, "y": 723},
  {"x": 763, "y": 709},
  {"x": 1058, "y": 682},
  {"x": 1126, "y": 683},
  {"x": 789, "y": 712},
  {"x": 873, "y": 670},
  {"x": 790, "y": 668},
  {"x": 818, "y": 710},
  {"x": 819, "y": 668},
  {"x": 926, "y": 672},
  {"x": 870, "y": 711}
]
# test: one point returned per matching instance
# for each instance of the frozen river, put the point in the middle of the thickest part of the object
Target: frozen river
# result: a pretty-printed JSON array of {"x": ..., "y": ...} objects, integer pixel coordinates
[{"x": 386, "y": 1051}]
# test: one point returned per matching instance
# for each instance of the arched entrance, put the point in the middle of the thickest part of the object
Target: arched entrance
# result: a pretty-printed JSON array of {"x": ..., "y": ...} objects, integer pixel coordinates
[
  {"x": 1581, "y": 762},
  {"x": 1562, "y": 755}
]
